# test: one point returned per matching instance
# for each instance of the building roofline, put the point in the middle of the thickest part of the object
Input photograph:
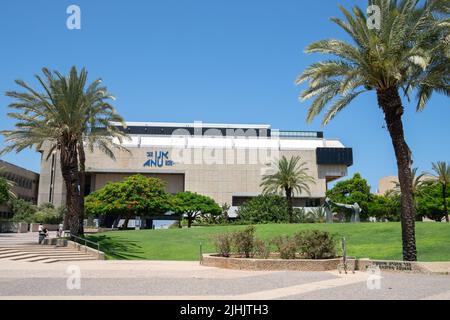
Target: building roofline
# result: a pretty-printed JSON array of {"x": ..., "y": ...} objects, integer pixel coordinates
[
  {"x": 196, "y": 124},
  {"x": 16, "y": 166}
]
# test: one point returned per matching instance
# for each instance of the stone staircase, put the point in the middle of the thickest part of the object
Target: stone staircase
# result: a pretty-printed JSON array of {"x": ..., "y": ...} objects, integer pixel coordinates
[{"x": 43, "y": 254}]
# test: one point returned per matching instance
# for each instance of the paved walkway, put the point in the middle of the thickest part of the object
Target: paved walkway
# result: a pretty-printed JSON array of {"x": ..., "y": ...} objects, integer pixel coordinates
[
  {"x": 161, "y": 280},
  {"x": 146, "y": 280}
]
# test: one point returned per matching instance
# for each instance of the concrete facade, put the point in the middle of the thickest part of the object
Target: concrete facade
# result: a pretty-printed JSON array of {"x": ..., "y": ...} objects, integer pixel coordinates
[
  {"x": 25, "y": 187},
  {"x": 386, "y": 184},
  {"x": 224, "y": 167}
]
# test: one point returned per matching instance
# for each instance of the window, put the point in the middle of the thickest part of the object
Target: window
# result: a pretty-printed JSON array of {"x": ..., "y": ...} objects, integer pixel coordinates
[{"x": 312, "y": 203}]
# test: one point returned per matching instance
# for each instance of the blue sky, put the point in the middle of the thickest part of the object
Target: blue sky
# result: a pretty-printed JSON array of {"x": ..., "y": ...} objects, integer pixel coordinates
[{"x": 228, "y": 61}]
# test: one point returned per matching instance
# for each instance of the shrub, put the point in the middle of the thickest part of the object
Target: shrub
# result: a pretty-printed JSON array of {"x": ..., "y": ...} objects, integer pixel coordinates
[
  {"x": 223, "y": 244},
  {"x": 4, "y": 190},
  {"x": 261, "y": 250},
  {"x": 244, "y": 241},
  {"x": 316, "y": 215},
  {"x": 175, "y": 225},
  {"x": 264, "y": 209},
  {"x": 23, "y": 211},
  {"x": 316, "y": 244},
  {"x": 287, "y": 246},
  {"x": 300, "y": 215},
  {"x": 48, "y": 214}
]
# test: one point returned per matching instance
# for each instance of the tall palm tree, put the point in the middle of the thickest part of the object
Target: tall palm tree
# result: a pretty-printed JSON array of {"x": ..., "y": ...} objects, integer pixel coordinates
[
  {"x": 100, "y": 129},
  {"x": 409, "y": 52},
  {"x": 290, "y": 177},
  {"x": 442, "y": 177},
  {"x": 62, "y": 117}
]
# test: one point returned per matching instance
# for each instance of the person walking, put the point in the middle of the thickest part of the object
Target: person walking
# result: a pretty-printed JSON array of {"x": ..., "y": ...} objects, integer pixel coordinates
[{"x": 41, "y": 233}]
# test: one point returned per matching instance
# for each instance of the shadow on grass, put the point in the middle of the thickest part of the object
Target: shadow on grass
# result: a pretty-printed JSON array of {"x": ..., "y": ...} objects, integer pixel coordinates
[{"x": 119, "y": 248}]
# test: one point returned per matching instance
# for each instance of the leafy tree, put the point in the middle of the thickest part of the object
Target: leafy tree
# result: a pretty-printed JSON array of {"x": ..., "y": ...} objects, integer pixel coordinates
[
  {"x": 6, "y": 186},
  {"x": 442, "y": 178},
  {"x": 194, "y": 205},
  {"x": 350, "y": 191},
  {"x": 264, "y": 209},
  {"x": 135, "y": 196},
  {"x": 291, "y": 177},
  {"x": 384, "y": 207},
  {"x": 63, "y": 116},
  {"x": 4, "y": 191},
  {"x": 48, "y": 214},
  {"x": 429, "y": 202},
  {"x": 23, "y": 211},
  {"x": 409, "y": 52}
]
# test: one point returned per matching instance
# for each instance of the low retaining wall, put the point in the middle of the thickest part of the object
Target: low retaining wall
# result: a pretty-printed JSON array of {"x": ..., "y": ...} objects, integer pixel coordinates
[
  {"x": 213, "y": 260},
  {"x": 13, "y": 227},
  {"x": 34, "y": 227},
  {"x": 71, "y": 244},
  {"x": 99, "y": 254}
]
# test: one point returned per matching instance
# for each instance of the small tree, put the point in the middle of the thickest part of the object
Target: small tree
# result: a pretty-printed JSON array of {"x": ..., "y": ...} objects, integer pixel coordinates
[
  {"x": 385, "y": 207},
  {"x": 429, "y": 202},
  {"x": 442, "y": 178},
  {"x": 264, "y": 209},
  {"x": 4, "y": 191},
  {"x": 137, "y": 195},
  {"x": 23, "y": 211},
  {"x": 194, "y": 205},
  {"x": 350, "y": 191},
  {"x": 6, "y": 186},
  {"x": 291, "y": 177},
  {"x": 48, "y": 214}
]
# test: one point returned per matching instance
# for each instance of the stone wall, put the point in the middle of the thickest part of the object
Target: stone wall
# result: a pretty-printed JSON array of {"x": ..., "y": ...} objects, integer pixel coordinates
[
  {"x": 271, "y": 264},
  {"x": 13, "y": 227},
  {"x": 213, "y": 260}
]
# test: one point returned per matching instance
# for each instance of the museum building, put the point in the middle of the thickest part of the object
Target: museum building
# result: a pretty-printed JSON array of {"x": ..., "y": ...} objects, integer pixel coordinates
[{"x": 223, "y": 161}]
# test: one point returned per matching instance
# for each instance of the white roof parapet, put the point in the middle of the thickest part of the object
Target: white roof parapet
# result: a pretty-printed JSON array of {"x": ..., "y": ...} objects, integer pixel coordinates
[
  {"x": 196, "y": 124},
  {"x": 231, "y": 142}
]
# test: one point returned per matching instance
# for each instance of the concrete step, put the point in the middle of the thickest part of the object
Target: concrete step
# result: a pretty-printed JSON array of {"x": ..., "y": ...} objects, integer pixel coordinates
[
  {"x": 59, "y": 258},
  {"x": 90, "y": 258},
  {"x": 18, "y": 252},
  {"x": 22, "y": 254},
  {"x": 43, "y": 254},
  {"x": 28, "y": 256}
]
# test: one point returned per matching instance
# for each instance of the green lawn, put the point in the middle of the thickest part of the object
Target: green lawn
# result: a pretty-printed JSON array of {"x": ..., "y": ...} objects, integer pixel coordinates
[{"x": 374, "y": 240}]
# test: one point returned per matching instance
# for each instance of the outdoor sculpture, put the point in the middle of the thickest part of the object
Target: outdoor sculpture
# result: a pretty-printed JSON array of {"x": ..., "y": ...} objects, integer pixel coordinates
[{"x": 356, "y": 210}]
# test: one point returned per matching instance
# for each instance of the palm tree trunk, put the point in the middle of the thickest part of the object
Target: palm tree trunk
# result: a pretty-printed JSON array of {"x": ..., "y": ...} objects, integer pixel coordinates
[
  {"x": 82, "y": 158},
  {"x": 290, "y": 204},
  {"x": 444, "y": 198},
  {"x": 70, "y": 174},
  {"x": 391, "y": 104}
]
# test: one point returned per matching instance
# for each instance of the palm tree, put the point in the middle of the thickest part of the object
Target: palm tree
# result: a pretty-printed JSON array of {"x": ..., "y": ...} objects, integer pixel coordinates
[
  {"x": 10, "y": 185},
  {"x": 417, "y": 179},
  {"x": 408, "y": 52},
  {"x": 291, "y": 177},
  {"x": 442, "y": 177},
  {"x": 100, "y": 129},
  {"x": 63, "y": 117}
]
